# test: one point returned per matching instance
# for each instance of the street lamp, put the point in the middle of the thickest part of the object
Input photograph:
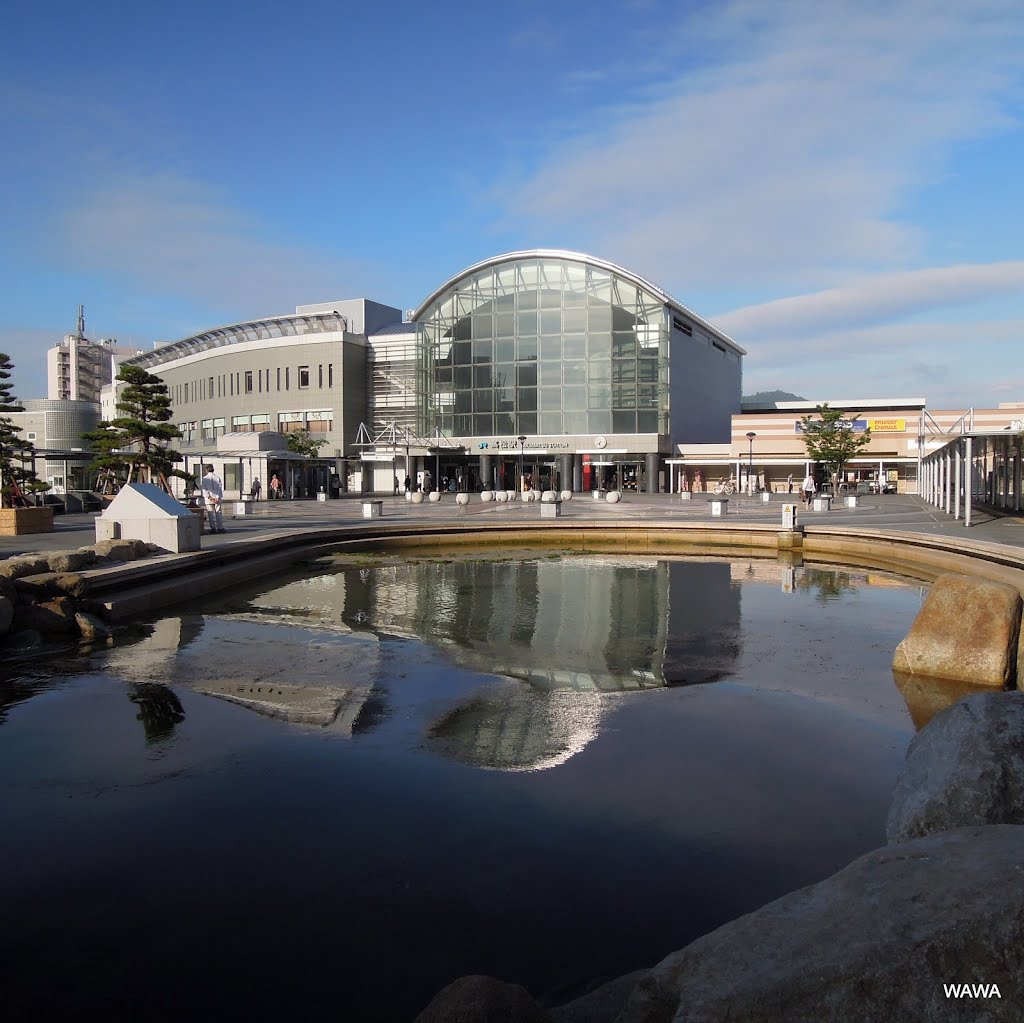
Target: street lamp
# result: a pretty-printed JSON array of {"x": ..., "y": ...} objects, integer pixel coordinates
[
  {"x": 522, "y": 453},
  {"x": 750, "y": 467}
]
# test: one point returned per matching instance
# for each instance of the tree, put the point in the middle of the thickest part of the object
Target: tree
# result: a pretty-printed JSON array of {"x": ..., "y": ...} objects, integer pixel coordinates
[
  {"x": 14, "y": 478},
  {"x": 831, "y": 439},
  {"x": 137, "y": 439},
  {"x": 301, "y": 443}
]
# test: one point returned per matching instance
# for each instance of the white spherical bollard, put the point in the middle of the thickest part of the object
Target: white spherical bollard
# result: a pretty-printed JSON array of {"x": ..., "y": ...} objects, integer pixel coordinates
[
  {"x": 501, "y": 497},
  {"x": 613, "y": 497},
  {"x": 417, "y": 497},
  {"x": 462, "y": 498},
  {"x": 434, "y": 496},
  {"x": 566, "y": 495},
  {"x": 486, "y": 495}
]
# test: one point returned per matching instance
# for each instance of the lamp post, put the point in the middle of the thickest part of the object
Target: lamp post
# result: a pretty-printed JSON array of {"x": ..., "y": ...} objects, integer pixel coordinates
[
  {"x": 522, "y": 454},
  {"x": 750, "y": 466}
]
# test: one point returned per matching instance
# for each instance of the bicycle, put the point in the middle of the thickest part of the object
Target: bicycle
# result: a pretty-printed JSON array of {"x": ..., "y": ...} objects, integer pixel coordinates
[{"x": 725, "y": 486}]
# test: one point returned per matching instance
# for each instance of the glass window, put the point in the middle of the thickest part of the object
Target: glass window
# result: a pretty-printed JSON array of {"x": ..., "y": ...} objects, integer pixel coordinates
[
  {"x": 505, "y": 351},
  {"x": 574, "y": 321},
  {"x": 526, "y": 349},
  {"x": 550, "y": 399},
  {"x": 574, "y": 373},
  {"x": 551, "y": 349},
  {"x": 526, "y": 398},
  {"x": 550, "y": 373},
  {"x": 574, "y": 398},
  {"x": 551, "y": 321},
  {"x": 526, "y": 376},
  {"x": 574, "y": 422},
  {"x": 647, "y": 422},
  {"x": 526, "y": 323}
]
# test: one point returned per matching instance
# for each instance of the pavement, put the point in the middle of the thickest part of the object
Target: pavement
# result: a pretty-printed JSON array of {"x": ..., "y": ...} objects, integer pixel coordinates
[{"x": 902, "y": 512}]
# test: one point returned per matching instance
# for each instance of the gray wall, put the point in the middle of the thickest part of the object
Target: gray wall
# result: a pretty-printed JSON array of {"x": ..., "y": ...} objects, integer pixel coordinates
[{"x": 705, "y": 385}]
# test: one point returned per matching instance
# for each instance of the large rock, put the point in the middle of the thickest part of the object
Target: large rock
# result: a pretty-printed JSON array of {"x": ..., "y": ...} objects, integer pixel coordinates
[
  {"x": 967, "y": 629},
  {"x": 965, "y": 768},
  {"x": 478, "y": 999},
  {"x": 877, "y": 941}
]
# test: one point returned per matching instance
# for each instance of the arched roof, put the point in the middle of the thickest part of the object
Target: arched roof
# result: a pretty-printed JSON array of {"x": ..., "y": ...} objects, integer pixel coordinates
[{"x": 577, "y": 257}]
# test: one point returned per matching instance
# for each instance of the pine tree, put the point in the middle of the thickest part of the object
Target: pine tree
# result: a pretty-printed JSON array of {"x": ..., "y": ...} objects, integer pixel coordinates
[
  {"x": 13, "y": 476},
  {"x": 137, "y": 439}
]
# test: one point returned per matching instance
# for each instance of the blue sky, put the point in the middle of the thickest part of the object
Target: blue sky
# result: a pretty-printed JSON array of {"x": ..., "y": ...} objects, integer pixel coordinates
[{"x": 836, "y": 185}]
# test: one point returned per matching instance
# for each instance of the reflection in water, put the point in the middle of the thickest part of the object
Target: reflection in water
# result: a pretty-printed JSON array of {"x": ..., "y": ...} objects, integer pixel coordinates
[
  {"x": 159, "y": 710},
  {"x": 926, "y": 696}
]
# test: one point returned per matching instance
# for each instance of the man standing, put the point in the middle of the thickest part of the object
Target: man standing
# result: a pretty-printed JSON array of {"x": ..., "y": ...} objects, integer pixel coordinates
[{"x": 213, "y": 496}]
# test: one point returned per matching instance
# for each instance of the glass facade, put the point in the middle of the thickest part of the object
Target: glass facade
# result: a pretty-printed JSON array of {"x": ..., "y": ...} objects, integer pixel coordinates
[{"x": 546, "y": 346}]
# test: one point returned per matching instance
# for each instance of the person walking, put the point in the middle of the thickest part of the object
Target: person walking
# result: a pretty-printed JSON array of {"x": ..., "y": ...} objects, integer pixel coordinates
[
  {"x": 254, "y": 490},
  {"x": 808, "y": 487},
  {"x": 213, "y": 497}
]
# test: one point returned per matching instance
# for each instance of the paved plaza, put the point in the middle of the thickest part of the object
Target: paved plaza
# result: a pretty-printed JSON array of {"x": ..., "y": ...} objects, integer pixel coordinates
[{"x": 900, "y": 512}]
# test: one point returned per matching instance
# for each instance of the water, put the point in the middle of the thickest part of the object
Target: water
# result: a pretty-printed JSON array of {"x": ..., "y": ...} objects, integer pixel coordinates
[{"x": 553, "y": 770}]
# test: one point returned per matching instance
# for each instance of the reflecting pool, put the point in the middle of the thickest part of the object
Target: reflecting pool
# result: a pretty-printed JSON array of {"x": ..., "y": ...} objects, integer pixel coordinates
[{"x": 337, "y": 791}]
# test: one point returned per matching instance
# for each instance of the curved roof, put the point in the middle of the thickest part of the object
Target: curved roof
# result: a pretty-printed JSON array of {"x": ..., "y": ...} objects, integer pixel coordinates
[
  {"x": 578, "y": 257},
  {"x": 237, "y": 333}
]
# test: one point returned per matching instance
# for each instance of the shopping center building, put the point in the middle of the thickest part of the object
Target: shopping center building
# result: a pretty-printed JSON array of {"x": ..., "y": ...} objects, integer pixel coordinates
[{"x": 558, "y": 368}]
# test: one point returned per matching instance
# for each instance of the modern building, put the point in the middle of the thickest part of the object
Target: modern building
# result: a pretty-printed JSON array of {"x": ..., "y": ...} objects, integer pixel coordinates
[
  {"x": 546, "y": 366},
  {"x": 78, "y": 368},
  {"x": 766, "y": 445}
]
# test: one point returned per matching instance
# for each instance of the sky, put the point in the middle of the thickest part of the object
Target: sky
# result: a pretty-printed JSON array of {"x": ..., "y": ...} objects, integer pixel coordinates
[{"x": 836, "y": 185}]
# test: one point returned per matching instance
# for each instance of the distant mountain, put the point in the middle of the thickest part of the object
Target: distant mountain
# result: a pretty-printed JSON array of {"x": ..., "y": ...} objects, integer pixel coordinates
[{"x": 762, "y": 397}]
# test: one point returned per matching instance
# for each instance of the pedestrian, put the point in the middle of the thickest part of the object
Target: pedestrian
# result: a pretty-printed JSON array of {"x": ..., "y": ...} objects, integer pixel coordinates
[
  {"x": 254, "y": 490},
  {"x": 275, "y": 488},
  {"x": 808, "y": 487},
  {"x": 213, "y": 496}
]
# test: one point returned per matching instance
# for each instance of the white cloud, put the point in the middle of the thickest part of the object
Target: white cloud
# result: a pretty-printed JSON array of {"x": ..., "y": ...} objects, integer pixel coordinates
[
  {"x": 781, "y": 160},
  {"x": 172, "y": 235},
  {"x": 874, "y": 299}
]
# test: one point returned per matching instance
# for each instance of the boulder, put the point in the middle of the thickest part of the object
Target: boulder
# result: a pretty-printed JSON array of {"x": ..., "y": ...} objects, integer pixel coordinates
[
  {"x": 479, "y": 999},
  {"x": 876, "y": 941},
  {"x": 6, "y": 615},
  {"x": 70, "y": 561},
  {"x": 50, "y": 584},
  {"x": 15, "y": 568},
  {"x": 91, "y": 627},
  {"x": 966, "y": 768},
  {"x": 967, "y": 629}
]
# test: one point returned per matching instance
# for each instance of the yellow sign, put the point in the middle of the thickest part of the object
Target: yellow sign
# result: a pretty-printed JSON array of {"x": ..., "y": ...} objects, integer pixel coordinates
[{"x": 887, "y": 425}]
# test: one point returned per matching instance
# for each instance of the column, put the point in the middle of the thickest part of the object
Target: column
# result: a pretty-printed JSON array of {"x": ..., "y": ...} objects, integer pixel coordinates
[{"x": 652, "y": 472}]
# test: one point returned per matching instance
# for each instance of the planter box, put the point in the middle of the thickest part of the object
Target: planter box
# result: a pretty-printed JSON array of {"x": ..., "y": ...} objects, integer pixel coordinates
[{"x": 17, "y": 521}]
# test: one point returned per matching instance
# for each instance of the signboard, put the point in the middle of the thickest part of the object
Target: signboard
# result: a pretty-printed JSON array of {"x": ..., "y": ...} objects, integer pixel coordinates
[{"x": 887, "y": 425}]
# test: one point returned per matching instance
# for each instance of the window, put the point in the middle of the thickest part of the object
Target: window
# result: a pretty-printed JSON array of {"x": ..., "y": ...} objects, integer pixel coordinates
[
  {"x": 248, "y": 381},
  {"x": 303, "y": 376}
]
